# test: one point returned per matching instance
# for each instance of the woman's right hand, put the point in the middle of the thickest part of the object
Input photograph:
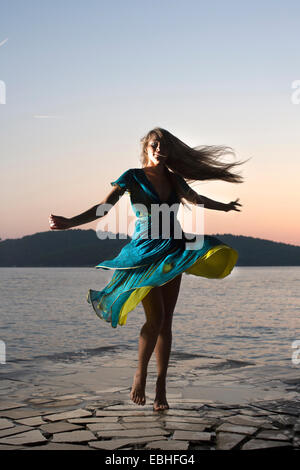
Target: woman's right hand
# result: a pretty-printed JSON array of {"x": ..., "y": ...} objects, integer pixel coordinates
[{"x": 59, "y": 223}]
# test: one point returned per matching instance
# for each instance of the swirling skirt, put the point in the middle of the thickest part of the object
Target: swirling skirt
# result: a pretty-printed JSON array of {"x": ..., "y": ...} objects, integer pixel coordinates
[{"x": 142, "y": 265}]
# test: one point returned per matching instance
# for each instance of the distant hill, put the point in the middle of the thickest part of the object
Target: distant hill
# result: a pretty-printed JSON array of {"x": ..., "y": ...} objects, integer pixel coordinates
[{"x": 78, "y": 247}]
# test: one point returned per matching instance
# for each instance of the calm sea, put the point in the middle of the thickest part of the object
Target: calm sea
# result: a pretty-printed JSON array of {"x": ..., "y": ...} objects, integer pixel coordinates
[{"x": 252, "y": 315}]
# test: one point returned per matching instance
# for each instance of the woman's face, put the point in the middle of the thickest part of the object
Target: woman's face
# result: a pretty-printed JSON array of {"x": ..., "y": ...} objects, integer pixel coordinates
[{"x": 156, "y": 150}]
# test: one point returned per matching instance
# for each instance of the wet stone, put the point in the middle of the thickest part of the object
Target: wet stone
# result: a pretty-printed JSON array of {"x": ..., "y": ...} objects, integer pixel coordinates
[
  {"x": 63, "y": 403},
  {"x": 184, "y": 426},
  {"x": 276, "y": 435},
  {"x": 235, "y": 429},
  {"x": 30, "y": 437},
  {"x": 183, "y": 419},
  {"x": 187, "y": 413},
  {"x": 40, "y": 401},
  {"x": 254, "y": 412},
  {"x": 70, "y": 396},
  {"x": 112, "y": 390},
  {"x": 128, "y": 408},
  {"x": 218, "y": 413},
  {"x": 297, "y": 428},
  {"x": 296, "y": 441},
  {"x": 67, "y": 415},
  {"x": 105, "y": 427},
  {"x": 137, "y": 425},
  {"x": 288, "y": 407},
  {"x": 284, "y": 420},
  {"x": 105, "y": 419},
  {"x": 53, "y": 428},
  {"x": 192, "y": 436},
  {"x": 140, "y": 419},
  {"x": 114, "y": 444},
  {"x": 168, "y": 445},
  {"x": 245, "y": 420},
  {"x": 74, "y": 436},
  {"x": 133, "y": 433},
  {"x": 256, "y": 444},
  {"x": 103, "y": 413},
  {"x": 228, "y": 441}
]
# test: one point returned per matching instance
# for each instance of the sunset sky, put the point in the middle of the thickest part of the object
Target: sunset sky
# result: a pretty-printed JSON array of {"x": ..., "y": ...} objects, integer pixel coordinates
[{"x": 85, "y": 80}]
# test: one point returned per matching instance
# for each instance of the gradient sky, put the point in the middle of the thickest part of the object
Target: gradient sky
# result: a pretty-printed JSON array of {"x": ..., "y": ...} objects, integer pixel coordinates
[{"x": 85, "y": 80}]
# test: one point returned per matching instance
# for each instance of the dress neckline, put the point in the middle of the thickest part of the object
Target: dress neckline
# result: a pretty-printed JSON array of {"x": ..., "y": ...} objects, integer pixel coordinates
[{"x": 154, "y": 190}]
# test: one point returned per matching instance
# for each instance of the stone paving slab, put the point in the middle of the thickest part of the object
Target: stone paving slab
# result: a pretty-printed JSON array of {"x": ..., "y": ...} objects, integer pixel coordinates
[
  {"x": 74, "y": 436},
  {"x": 36, "y": 421},
  {"x": 168, "y": 445},
  {"x": 133, "y": 433},
  {"x": 192, "y": 436},
  {"x": 257, "y": 444},
  {"x": 21, "y": 414},
  {"x": 228, "y": 441},
  {"x": 29, "y": 437},
  {"x": 288, "y": 407},
  {"x": 59, "y": 426},
  {"x": 8, "y": 405},
  {"x": 63, "y": 403},
  {"x": 5, "y": 423},
  {"x": 57, "y": 446},
  {"x": 273, "y": 435},
  {"x": 141, "y": 425},
  {"x": 105, "y": 427},
  {"x": 15, "y": 430},
  {"x": 112, "y": 424},
  {"x": 105, "y": 419},
  {"x": 68, "y": 414},
  {"x": 187, "y": 419},
  {"x": 175, "y": 426},
  {"x": 115, "y": 444},
  {"x": 40, "y": 401},
  {"x": 180, "y": 412},
  {"x": 135, "y": 412},
  {"x": 11, "y": 448},
  {"x": 246, "y": 420},
  {"x": 233, "y": 428},
  {"x": 140, "y": 419},
  {"x": 70, "y": 396}
]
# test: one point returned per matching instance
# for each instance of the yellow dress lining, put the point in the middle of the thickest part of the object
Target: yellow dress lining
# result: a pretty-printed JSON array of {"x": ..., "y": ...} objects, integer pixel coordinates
[{"x": 216, "y": 263}]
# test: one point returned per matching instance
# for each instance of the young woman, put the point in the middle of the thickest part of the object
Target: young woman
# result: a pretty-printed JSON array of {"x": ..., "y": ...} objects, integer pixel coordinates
[{"x": 149, "y": 269}]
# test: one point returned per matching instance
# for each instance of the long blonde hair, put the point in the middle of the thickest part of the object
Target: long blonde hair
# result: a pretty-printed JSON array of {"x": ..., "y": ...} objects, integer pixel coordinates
[{"x": 193, "y": 164}]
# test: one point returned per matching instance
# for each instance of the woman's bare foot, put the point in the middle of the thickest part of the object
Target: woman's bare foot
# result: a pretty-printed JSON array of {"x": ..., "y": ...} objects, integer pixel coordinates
[
  {"x": 137, "y": 394},
  {"x": 160, "y": 402}
]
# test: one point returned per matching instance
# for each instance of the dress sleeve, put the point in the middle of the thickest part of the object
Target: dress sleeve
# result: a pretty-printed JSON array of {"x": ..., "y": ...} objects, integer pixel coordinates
[{"x": 123, "y": 181}]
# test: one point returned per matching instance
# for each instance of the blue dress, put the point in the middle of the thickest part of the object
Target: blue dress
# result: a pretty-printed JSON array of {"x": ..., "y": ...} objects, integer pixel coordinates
[{"x": 148, "y": 261}]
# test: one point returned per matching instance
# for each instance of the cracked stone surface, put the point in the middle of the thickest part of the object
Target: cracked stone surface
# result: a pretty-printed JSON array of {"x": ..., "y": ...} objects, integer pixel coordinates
[{"x": 231, "y": 406}]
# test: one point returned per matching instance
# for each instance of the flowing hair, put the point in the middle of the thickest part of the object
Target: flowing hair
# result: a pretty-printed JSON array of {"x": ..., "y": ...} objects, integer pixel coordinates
[{"x": 193, "y": 163}]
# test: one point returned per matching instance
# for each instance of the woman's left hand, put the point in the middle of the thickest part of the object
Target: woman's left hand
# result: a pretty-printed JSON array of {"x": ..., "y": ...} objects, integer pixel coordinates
[{"x": 231, "y": 206}]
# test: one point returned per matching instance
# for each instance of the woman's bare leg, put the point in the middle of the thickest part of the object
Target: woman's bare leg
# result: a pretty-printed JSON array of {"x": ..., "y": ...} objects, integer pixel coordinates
[
  {"x": 154, "y": 310},
  {"x": 170, "y": 293}
]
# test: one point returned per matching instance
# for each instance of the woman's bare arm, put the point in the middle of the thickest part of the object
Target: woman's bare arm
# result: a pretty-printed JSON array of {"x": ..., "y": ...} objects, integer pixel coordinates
[
  {"x": 62, "y": 223},
  {"x": 196, "y": 198}
]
